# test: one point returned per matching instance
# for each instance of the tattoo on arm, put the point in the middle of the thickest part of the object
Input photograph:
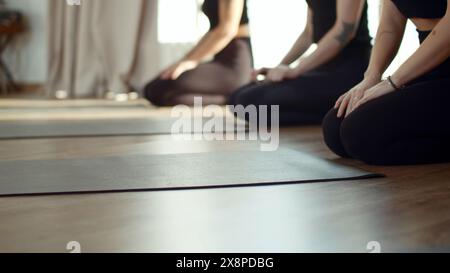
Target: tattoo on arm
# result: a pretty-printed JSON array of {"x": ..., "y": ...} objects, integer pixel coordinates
[{"x": 346, "y": 34}]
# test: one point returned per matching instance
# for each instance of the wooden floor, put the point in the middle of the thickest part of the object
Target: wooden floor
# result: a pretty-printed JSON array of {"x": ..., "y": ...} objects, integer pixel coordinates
[{"x": 409, "y": 210}]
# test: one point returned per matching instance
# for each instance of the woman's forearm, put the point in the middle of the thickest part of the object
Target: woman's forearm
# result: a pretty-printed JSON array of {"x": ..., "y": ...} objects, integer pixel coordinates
[
  {"x": 210, "y": 44},
  {"x": 388, "y": 40},
  {"x": 433, "y": 51},
  {"x": 230, "y": 13},
  {"x": 302, "y": 44},
  {"x": 344, "y": 30},
  {"x": 385, "y": 49},
  {"x": 328, "y": 48}
]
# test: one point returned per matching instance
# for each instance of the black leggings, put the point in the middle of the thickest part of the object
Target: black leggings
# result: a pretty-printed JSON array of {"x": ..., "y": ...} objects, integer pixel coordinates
[
  {"x": 410, "y": 126},
  {"x": 308, "y": 98},
  {"x": 213, "y": 81}
]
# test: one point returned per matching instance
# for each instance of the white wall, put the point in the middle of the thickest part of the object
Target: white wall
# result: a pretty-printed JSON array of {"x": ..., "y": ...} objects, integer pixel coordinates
[
  {"x": 276, "y": 24},
  {"x": 27, "y": 56}
]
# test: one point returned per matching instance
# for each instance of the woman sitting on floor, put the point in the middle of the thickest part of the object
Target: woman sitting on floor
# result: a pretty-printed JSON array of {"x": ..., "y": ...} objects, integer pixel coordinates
[
  {"x": 403, "y": 119},
  {"x": 228, "y": 41},
  {"x": 307, "y": 91}
]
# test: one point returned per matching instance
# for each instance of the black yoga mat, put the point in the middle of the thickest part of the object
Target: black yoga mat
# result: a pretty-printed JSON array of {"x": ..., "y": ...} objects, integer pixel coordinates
[
  {"x": 112, "y": 127},
  {"x": 74, "y": 108},
  {"x": 69, "y": 105},
  {"x": 166, "y": 172}
]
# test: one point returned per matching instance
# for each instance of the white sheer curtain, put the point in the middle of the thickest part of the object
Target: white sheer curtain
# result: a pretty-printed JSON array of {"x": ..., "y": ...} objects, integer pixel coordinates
[{"x": 104, "y": 46}]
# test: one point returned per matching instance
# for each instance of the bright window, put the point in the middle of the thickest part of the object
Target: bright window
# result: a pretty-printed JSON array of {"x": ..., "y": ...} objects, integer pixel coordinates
[
  {"x": 275, "y": 25},
  {"x": 179, "y": 21}
]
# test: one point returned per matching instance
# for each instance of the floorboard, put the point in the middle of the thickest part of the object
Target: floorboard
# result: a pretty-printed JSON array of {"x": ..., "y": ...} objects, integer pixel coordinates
[{"x": 409, "y": 210}]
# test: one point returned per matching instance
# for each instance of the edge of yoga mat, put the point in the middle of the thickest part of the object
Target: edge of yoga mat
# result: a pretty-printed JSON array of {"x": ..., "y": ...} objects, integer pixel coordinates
[
  {"x": 170, "y": 185},
  {"x": 78, "y": 103},
  {"x": 32, "y": 130},
  {"x": 262, "y": 184},
  {"x": 75, "y": 109}
]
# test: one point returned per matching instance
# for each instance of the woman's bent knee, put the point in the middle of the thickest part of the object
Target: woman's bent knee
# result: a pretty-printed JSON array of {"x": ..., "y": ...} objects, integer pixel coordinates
[
  {"x": 155, "y": 90},
  {"x": 331, "y": 127},
  {"x": 360, "y": 141},
  {"x": 351, "y": 137}
]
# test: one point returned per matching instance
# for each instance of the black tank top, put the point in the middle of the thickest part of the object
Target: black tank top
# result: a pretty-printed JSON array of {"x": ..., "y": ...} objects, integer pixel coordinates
[
  {"x": 324, "y": 17},
  {"x": 211, "y": 10},
  {"x": 422, "y": 8},
  {"x": 426, "y": 9}
]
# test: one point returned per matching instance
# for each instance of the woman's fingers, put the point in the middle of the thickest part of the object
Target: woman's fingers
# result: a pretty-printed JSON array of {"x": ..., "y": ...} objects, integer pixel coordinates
[
  {"x": 274, "y": 75},
  {"x": 343, "y": 106},
  {"x": 175, "y": 73},
  {"x": 167, "y": 73},
  {"x": 270, "y": 75},
  {"x": 164, "y": 75},
  {"x": 339, "y": 101},
  {"x": 356, "y": 97},
  {"x": 361, "y": 102},
  {"x": 350, "y": 105},
  {"x": 375, "y": 92},
  {"x": 368, "y": 96},
  {"x": 257, "y": 72}
]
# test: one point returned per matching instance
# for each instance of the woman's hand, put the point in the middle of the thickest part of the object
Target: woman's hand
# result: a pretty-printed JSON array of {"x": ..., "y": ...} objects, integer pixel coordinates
[
  {"x": 375, "y": 92},
  {"x": 347, "y": 102},
  {"x": 175, "y": 70},
  {"x": 276, "y": 74}
]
